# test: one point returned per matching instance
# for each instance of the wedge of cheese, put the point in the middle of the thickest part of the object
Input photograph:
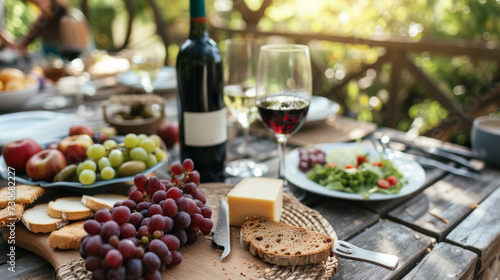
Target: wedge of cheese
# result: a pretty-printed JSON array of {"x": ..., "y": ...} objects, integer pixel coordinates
[{"x": 255, "y": 196}]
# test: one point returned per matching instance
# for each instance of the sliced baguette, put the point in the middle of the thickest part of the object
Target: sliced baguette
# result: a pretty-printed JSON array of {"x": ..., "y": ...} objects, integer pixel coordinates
[
  {"x": 11, "y": 214},
  {"x": 23, "y": 194},
  {"x": 69, "y": 208},
  {"x": 68, "y": 237},
  {"x": 101, "y": 201},
  {"x": 36, "y": 219},
  {"x": 282, "y": 244}
]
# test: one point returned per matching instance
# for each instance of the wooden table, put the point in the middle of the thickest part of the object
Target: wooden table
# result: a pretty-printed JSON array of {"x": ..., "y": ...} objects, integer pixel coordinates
[{"x": 447, "y": 230}]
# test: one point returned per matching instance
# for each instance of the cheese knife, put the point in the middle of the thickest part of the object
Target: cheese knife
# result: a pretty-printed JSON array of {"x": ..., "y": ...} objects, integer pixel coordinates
[{"x": 221, "y": 235}]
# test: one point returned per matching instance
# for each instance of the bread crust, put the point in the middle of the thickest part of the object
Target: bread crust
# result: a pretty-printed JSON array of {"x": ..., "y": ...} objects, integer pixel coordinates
[
  {"x": 282, "y": 244},
  {"x": 68, "y": 237},
  {"x": 11, "y": 214},
  {"x": 56, "y": 210},
  {"x": 95, "y": 203}
]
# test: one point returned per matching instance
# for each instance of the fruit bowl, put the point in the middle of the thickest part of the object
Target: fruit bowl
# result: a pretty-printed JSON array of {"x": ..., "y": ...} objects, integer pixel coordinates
[
  {"x": 13, "y": 99},
  {"x": 141, "y": 113},
  {"x": 77, "y": 186}
]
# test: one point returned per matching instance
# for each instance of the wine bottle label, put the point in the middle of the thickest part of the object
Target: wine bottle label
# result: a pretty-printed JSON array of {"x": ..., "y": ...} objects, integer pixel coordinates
[{"x": 205, "y": 129}]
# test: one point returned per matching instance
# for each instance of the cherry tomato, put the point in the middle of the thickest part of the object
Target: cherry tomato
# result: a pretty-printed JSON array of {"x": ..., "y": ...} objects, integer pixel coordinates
[
  {"x": 349, "y": 166},
  {"x": 378, "y": 163},
  {"x": 383, "y": 183},
  {"x": 361, "y": 159},
  {"x": 331, "y": 165},
  {"x": 392, "y": 180}
]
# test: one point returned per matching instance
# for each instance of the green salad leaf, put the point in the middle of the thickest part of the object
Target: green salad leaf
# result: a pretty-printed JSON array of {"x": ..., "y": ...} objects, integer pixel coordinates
[{"x": 367, "y": 177}]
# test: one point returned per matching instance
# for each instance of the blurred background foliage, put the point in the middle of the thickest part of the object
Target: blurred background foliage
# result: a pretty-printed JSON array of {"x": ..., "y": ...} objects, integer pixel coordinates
[{"x": 364, "y": 99}]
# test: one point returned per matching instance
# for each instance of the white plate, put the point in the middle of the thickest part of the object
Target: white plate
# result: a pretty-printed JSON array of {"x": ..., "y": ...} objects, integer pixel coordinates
[
  {"x": 165, "y": 80},
  {"x": 410, "y": 169},
  {"x": 320, "y": 109},
  {"x": 14, "y": 99},
  {"x": 41, "y": 126},
  {"x": 24, "y": 179}
]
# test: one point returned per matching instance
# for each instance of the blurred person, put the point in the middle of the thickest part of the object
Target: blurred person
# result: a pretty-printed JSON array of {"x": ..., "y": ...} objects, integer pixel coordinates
[{"x": 47, "y": 26}]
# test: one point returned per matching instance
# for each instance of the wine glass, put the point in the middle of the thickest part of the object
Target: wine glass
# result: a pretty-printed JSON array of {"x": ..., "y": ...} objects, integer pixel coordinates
[
  {"x": 284, "y": 91},
  {"x": 239, "y": 98},
  {"x": 146, "y": 66},
  {"x": 73, "y": 47},
  {"x": 53, "y": 69}
]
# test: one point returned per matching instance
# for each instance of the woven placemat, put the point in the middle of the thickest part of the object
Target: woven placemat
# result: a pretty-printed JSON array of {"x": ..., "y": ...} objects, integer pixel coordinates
[{"x": 294, "y": 213}]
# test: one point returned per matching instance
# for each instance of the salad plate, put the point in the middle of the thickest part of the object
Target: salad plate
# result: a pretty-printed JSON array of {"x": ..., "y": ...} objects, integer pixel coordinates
[
  {"x": 23, "y": 178},
  {"x": 410, "y": 170}
]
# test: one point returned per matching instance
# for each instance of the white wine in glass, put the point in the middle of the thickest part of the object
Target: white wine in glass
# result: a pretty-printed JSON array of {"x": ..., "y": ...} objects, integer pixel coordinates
[
  {"x": 240, "y": 98},
  {"x": 146, "y": 67},
  {"x": 284, "y": 91}
]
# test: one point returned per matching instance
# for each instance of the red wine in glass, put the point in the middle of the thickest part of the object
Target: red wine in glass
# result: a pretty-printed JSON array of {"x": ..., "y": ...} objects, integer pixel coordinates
[
  {"x": 71, "y": 53},
  {"x": 283, "y": 114}
]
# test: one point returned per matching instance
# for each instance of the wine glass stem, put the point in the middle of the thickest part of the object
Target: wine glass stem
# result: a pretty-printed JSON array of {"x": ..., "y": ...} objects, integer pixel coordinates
[
  {"x": 246, "y": 140},
  {"x": 281, "y": 157}
]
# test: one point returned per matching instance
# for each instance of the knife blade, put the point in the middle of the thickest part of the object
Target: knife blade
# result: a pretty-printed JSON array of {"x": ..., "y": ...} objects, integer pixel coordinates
[
  {"x": 221, "y": 235},
  {"x": 437, "y": 152}
]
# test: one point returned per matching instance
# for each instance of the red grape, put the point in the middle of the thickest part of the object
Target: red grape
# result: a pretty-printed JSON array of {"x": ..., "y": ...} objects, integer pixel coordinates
[
  {"x": 141, "y": 181},
  {"x": 121, "y": 214},
  {"x": 126, "y": 248},
  {"x": 92, "y": 227},
  {"x": 177, "y": 169},
  {"x": 114, "y": 258},
  {"x": 188, "y": 164},
  {"x": 102, "y": 216}
]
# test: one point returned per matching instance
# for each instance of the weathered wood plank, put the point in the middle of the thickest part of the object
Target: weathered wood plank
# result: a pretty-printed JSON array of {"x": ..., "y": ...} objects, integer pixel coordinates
[
  {"x": 480, "y": 231},
  {"x": 440, "y": 207},
  {"x": 490, "y": 271},
  {"x": 385, "y": 237},
  {"x": 346, "y": 218},
  {"x": 32, "y": 267},
  {"x": 445, "y": 261}
]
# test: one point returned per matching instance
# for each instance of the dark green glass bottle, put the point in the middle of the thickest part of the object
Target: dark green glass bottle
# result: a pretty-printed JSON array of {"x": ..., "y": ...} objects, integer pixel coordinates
[{"x": 202, "y": 114}]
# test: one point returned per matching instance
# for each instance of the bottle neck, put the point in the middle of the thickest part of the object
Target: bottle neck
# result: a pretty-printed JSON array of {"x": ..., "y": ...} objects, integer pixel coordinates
[{"x": 198, "y": 28}]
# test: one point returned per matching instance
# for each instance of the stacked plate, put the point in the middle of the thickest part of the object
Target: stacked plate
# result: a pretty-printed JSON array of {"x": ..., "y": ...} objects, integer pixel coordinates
[{"x": 41, "y": 126}]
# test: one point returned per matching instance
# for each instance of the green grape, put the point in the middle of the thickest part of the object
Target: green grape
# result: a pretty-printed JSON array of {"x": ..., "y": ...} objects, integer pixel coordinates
[
  {"x": 108, "y": 173},
  {"x": 160, "y": 154},
  {"x": 103, "y": 162},
  {"x": 87, "y": 177},
  {"x": 79, "y": 168},
  {"x": 156, "y": 139},
  {"x": 110, "y": 143},
  {"x": 116, "y": 158},
  {"x": 89, "y": 165},
  {"x": 141, "y": 137},
  {"x": 138, "y": 153},
  {"x": 96, "y": 151},
  {"x": 151, "y": 160},
  {"x": 148, "y": 145},
  {"x": 131, "y": 140}
]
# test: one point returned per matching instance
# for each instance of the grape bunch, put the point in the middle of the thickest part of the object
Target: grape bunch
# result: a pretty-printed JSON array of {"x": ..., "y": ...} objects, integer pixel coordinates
[
  {"x": 111, "y": 159},
  {"x": 309, "y": 157},
  {"x": 140, "y": 236}
]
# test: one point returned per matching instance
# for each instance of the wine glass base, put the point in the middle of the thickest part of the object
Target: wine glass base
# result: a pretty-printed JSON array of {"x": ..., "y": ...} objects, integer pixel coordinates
[
  {"x": 55, "y": 102},
  {"x": 246, "y": 168}
]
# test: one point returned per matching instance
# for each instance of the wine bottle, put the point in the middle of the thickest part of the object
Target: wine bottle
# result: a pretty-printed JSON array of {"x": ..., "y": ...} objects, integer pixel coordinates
[{"x": 202, "y": 114}]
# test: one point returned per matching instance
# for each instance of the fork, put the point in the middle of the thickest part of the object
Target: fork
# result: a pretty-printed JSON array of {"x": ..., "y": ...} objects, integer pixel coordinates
[{"x": 382, "y": 146}]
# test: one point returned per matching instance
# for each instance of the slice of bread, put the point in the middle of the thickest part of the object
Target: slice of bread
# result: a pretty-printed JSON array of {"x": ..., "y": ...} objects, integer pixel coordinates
[
  {"x": 24, "y": 194},
  {"x": 101, "y": 201},
  {"x": 36, "y": 219},
  {"x": 282, "y": 244},
  {"x": 68, "y": 237},
  {"x": 69, "y": 208},
  {"x": 11, "y": 214}
]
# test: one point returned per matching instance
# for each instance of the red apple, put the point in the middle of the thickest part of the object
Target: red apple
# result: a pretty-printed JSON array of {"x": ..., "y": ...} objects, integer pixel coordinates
[
  {"x": 44, "y": 165},
  {"x": 17, "y": 153},
  {"x": 75, "y": 147},
  {"x": 78, "y": 129},
  {"x": 169, "y": 133}
]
